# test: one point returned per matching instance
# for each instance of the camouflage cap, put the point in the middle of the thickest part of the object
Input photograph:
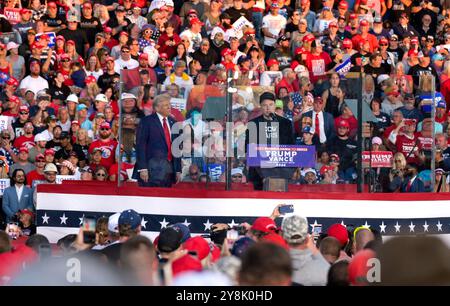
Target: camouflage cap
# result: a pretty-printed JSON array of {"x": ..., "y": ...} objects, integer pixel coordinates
[{"x": 294, "y": 229}]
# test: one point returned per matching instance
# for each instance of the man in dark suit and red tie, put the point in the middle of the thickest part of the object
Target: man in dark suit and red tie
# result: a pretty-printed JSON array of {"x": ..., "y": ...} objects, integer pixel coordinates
[{"x": 156, "y": 165}]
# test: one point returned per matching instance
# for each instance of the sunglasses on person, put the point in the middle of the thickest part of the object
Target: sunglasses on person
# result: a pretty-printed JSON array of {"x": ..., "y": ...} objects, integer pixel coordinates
[
  {"x": 104, "y": 129},
  {"x": 193, "y": 173},
  {"x": 65, "y": 60},
  {"x": 236, "y": 176},
  {"x": 6, "y": 137},
  {"x": 383, "y": 45},
  {"x": 100, "y": 174}
]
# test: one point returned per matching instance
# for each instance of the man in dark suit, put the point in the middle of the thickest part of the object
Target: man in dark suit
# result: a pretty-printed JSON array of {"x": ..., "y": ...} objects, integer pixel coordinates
[
  {"x": 322, "y": 122},
  {"x": 412, "y": 182},
  {"x": 403, "y": 28},
  {"x": 278, "y": 131},
  {"x": 156, "y": 164}
]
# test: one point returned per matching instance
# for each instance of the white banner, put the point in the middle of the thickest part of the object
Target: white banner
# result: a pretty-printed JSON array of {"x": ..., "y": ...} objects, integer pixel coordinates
[{"x": 59, "y": 213}]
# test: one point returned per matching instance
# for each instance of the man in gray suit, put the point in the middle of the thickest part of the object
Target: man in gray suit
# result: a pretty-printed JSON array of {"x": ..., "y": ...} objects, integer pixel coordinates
[{"x": 18, "y": 196}]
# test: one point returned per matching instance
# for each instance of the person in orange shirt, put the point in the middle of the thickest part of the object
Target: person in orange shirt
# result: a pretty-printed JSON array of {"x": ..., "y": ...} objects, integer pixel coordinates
[{"x": 365, "y": 36}]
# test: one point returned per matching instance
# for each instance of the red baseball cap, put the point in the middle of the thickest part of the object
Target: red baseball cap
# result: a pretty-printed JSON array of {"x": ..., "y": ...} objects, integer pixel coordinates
[
  {"x": 383, "y": 40},
  {"x": 124, "y": 33},
  {"x": 23, "y": 149},
  {"x": 40, "y": 157},
  {"x": 275, "y": 239},
  {"x": 339, "y": 232},
  {"x": 12, "y": 81},
  {"x": 325, "y": 169},
  {"x": 60, "y": 37},
  {"x": 343, "y": 5},
  {"x": 25, "y": 11},
  {"x": 192, "y": 11},
  {"x": 23, "y": 108},
  {"x": 105, "y": 125},
  {"x": 49, "y": 152},
  {"x": 299, "y": 50},
  {"x": 90, "y": 79},
  {"x": 64, "y": 56},
  {"x": 343, "y": 123},
  {"x": 226, "y": 51},
  {"x": 364, "y": 23},
  {"x": 163, "y": 55},
  {"x": 308, "y": 38},
  {"x": 332, "y": 24},
  {"x": 358, "y": 267},
  {"x": 75, "y": 122},
  {"x": 414, "y": 40},
  {"x": 14, "y": 99},
  {"x": 37, "y": 45},
  {"x": 353, "y": 16},
  {"x": 107, "y": 30},
  {"x": 143, "y": 55},
  {"x": 51, "y": 4},
  {"x": 187, "y": 263},
  {"x": 347, "y": 43},
  {"x": 27, "y": 211},
  {"x": 272, "y": 62},
  {"x": 70, "y": 42},
  {"x": 199, "y": 245},
  {"x": 264, "y": 224},
  {"x": 196, "y": 21}
]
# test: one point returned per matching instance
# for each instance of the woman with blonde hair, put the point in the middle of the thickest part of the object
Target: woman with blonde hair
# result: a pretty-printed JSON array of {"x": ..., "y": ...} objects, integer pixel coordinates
[
  {"x": 72, "y": 52},
  {"x": 403, "y": 81},
  {"x": 397, "y": 172},
  {"x": 445, "y": 75},
  {"x": 82, "y": 141},
  {"x": 98, "y": 120},
  {"x": 91, "y": 90},
  {"x": 101, "y": 12},
  {"x": 93, "y": 67}
]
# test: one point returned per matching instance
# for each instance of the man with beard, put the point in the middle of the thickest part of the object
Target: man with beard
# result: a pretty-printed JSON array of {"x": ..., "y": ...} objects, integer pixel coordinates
[
  {"x": 27, "y": 139},
  {"x": 106, "y": 144},
  {"x": 345, "y": 148},
  {"x": 205, "y": 55},
  {"x": 412, "y": 183},
  {"x": 106, "y": 79},
  {"x": 282, "y": 54},
  {"x": 34, "y": 81},
  {"x": 17, "y": 196}
]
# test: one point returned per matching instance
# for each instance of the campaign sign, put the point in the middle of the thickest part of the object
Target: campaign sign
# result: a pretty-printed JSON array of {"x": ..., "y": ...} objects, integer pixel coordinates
[
  {"x": 12, "y": 15},
  {"x": 4, "y": 183},
  {"x": 282, "y": 156},
  {"x": 380, "y": 159},
  {"x": 52, "y": 37}
]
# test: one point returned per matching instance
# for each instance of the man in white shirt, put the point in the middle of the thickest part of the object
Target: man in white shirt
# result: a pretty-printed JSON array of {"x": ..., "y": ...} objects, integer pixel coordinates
[
  {"x": 34, "y": 81},
  {"x": 125, "y": 61},
  {"x": 193, "y": 34},
  {"x": 273, "y": 26}
]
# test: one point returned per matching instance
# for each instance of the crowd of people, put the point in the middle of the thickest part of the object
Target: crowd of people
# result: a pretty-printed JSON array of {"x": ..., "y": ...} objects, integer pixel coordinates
[{"x": 261, "y": 254}]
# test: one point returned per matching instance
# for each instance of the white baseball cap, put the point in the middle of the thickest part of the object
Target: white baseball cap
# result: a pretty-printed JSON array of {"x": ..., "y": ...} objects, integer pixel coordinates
[
  {"x": 127, "y": 95},
  {"x": 72, "y": 98},
  {"x": 39, "y": 137},
  {"x": 101, "y": 97},
  {"x": 50, "y": 168},
  {"x": 381, "y": 78},
  {"x": 11, "y": 45},
  {"x": 113, "y": 223}
]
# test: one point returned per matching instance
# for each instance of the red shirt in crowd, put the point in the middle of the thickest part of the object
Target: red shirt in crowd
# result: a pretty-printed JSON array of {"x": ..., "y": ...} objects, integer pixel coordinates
[
  {"x": 108, "y": 151},
  {"x": 34, "y": 176},
  {"x": 24, "y": 141},
  {"x": 317, "y": 66},
  {"x": 405, "y": 145},
  {"x": 125, "y": 166},
  {"x": 12, "y": 263},
  {"x": 373, "y": 42}
]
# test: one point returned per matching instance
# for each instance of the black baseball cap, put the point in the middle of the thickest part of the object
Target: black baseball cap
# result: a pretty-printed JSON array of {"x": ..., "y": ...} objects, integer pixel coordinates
[
  {"x": 267, "y": 96},
  {"x": 169, "y": 239}
]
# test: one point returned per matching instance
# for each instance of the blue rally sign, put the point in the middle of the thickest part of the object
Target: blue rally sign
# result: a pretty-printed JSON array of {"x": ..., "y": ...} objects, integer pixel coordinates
[{"x": 283, "y": 156}]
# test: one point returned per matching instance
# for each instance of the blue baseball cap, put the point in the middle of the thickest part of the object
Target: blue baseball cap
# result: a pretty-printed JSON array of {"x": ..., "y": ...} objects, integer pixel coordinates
[
  {"x": 81, "y": 106},
  {"x": 308, "y": 129},
  {"x": 184, "y": 230},
  {"x": 130, "y": 217}
]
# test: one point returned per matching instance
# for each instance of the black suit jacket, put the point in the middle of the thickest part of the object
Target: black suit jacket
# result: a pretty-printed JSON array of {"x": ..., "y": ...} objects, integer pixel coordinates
[{"x": 152, "y": 152}]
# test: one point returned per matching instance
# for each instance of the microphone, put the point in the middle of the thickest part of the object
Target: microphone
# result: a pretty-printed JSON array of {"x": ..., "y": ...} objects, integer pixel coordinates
[{"x": 274, "y": 117}]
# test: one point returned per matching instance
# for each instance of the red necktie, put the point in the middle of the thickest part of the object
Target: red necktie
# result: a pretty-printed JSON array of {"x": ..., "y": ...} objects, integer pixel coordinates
[
  {"x": 317, "y": 125},
  {"x": 408, "y": 187},
  {"x": 168, "y": 142}
]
